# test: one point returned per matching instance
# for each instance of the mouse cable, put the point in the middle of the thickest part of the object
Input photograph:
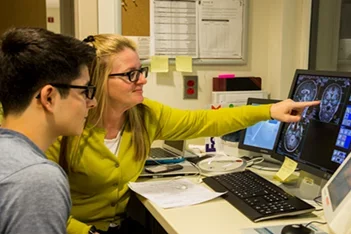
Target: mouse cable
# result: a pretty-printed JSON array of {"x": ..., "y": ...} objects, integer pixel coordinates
[
  {"x": 315, "y": 222},
  {"x": 198, "y": 175},
  {"x": 317, "y": 200},
  {"x": 254, "y": 160}
]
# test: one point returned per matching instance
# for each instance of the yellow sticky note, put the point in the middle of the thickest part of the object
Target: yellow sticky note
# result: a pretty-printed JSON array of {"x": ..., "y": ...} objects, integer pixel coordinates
[
  {"x": 184, "y": 64},
  {"x": 159, "y": 64},
  {"x": 286, "y": 170}
]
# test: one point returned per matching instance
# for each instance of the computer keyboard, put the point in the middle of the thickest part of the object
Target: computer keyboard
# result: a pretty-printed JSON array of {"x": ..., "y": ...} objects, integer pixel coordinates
[
  {"x": 161, "y": 153},
  {"x": 257, "y": 198}
]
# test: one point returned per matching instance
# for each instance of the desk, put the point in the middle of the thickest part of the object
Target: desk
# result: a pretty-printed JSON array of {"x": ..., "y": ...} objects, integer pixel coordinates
[{"x": 216, "y": 216}]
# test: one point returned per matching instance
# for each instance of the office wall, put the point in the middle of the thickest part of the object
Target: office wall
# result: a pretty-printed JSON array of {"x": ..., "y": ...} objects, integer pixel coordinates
[
  {"x": 328, "y": 35},
  {"x": 278, "y": 43},
  {"x": 86, "y": 18},
  {"x": 22, "y": 13},
  {"x": 56, "y": 25}
]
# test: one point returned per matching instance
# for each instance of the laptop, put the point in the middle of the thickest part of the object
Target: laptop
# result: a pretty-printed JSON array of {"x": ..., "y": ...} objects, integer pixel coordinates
[
  {"x": 188, "y": 169},
  {"x": 170, "y": 152}
]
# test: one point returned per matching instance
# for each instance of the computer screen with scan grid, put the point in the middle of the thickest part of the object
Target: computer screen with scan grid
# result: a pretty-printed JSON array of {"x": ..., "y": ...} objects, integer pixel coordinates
[{"x": 322, "y": 139}]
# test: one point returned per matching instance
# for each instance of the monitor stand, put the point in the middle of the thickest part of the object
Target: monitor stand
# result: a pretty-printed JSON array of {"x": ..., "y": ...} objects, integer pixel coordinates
[{"x": 307, "y": 186}]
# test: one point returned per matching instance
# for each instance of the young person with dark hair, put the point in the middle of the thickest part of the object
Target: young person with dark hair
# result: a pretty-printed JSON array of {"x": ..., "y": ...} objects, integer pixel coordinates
[{"x": 45, "y": 92}]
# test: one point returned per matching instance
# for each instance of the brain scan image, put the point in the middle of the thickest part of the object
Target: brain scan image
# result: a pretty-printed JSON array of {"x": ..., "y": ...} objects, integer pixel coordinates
[
  {"x": 330, "y": 102},
  {"x": 293, "y": 136},
  {"x": 306, "y": 91}
]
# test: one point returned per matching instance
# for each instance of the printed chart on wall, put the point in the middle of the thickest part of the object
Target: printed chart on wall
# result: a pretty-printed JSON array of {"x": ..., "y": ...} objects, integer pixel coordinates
[{"x": 206, "y": 29}]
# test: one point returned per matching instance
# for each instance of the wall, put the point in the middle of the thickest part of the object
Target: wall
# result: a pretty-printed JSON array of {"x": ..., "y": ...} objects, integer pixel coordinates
[
  {"x": 288, "y": 28},
  {"x": 86, "y": 18},
  {"x": 278, "y": 40},
  {"x": 328, "y": 35},
  {"x": 21, "y": 13},
  {"x": 56, "y": 25}
]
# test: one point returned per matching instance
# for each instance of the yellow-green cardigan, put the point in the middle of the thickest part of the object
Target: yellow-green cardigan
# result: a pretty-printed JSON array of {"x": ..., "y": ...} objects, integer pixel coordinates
[{"x": 99, "y": 184}]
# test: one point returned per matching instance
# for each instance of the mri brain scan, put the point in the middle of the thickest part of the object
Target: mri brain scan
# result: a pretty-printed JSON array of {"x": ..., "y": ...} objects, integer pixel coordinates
[
  {"x": 330, "y": 102},
  {"x": 293, "y": 136},
  {"x": 306, "y": 91}
]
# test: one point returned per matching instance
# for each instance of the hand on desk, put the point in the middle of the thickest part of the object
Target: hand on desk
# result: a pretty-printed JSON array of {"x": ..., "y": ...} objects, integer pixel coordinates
[{"x": 290, "y": 111}]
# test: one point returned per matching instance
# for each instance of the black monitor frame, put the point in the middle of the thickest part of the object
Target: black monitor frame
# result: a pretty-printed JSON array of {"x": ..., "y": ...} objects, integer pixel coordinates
[
  {"x": 241, "y": 145},
  {"x": 304, "y": 165}
]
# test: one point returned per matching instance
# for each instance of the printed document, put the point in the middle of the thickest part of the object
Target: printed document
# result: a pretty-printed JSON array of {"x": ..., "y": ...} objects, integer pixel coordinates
[
  {"x": 174, "y": 28},
  {"x": 220, "y": 29},
  {"x": 173, "y": 193}
]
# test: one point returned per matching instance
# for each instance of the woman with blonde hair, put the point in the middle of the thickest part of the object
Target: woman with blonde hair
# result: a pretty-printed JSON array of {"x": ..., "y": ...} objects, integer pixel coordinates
[{"x": 113, "y": 148}]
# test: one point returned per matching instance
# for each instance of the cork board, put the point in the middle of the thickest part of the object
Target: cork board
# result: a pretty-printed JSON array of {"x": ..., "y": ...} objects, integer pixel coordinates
[{"x": 135, "y": 17}]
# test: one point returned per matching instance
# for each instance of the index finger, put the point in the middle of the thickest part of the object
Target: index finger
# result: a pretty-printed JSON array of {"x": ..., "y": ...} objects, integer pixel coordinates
[{"x": 306, "y": 104}]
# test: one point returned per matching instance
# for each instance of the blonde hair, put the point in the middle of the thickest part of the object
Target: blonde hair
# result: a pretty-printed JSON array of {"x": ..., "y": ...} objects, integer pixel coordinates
[{"x": 108, "y": 45}]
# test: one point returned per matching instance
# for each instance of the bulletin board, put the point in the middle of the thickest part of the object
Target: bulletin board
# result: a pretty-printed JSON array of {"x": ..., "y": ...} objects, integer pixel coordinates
[
  {"x": 211, "y": 32},
  {"x": 135, "y": 17}
]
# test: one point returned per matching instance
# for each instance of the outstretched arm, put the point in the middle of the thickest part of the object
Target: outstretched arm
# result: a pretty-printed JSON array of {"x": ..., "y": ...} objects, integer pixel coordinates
[{"x": 290, "y": 111}]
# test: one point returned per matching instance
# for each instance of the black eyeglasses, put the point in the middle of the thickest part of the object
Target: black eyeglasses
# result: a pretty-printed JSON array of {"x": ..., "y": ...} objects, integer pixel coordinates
[
  {"x": 134, "y": 75},
  {"x": 89, "y": 89}
]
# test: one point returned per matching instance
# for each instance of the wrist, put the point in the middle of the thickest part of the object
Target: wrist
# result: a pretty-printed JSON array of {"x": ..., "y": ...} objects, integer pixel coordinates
[{"x": 270, "y": 112}]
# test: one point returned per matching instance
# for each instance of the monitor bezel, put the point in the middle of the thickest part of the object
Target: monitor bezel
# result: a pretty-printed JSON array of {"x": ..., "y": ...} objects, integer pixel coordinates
[
  {"x": 317, "y": 171},
  {"x": 241, "y": 145}
]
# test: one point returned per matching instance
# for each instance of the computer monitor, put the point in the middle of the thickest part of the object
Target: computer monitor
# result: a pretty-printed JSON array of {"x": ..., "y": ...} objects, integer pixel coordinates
[
  {"x": 260, "y": 137},
  {"x": 322, "y": 139},
  {"x": 336, "y": 199}
]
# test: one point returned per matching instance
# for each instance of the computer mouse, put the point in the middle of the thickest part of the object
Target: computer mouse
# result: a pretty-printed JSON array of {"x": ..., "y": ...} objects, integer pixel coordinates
[{"x": 296, "y": 229}]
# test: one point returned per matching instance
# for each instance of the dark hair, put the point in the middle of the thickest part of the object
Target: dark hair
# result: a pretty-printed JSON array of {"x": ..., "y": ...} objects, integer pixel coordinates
[{"x": 30, "y": 58}]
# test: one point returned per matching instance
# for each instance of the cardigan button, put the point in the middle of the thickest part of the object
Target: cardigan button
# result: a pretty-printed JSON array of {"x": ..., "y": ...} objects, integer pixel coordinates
[
  {"x": 115, "y": 185},
  {"x": 117, "y": 165},
  {"x": 113, "y": 204}
]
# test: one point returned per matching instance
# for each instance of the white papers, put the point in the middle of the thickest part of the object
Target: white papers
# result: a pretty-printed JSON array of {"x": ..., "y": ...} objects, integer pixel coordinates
[
  {"x": 173, "y": 193},
  {"x": 220, "y": 28},
  {"x": 200, "y": 29},
  {"x": 175, "y": 28},
  {"x": 143, "y": 44}
]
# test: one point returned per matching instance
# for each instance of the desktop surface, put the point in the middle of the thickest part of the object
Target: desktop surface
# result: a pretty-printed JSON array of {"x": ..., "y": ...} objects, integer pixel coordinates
[
  {"x": 257, "y": 198},
  {"x": 217, "y": 216}
]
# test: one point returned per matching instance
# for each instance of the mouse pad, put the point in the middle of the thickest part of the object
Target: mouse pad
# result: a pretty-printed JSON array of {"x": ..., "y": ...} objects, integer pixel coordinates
[{"x": 278, "y": 229}]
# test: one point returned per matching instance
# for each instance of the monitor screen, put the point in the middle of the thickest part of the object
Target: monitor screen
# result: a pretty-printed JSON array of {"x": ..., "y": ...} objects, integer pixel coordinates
[
  {"x": 340, "y": 186},
  {"x": 179, "y": 145},
  {"x": 260, "y": 137},
  {"x": 336, "y": 199},
  {"x": 321, "y": 140}
]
